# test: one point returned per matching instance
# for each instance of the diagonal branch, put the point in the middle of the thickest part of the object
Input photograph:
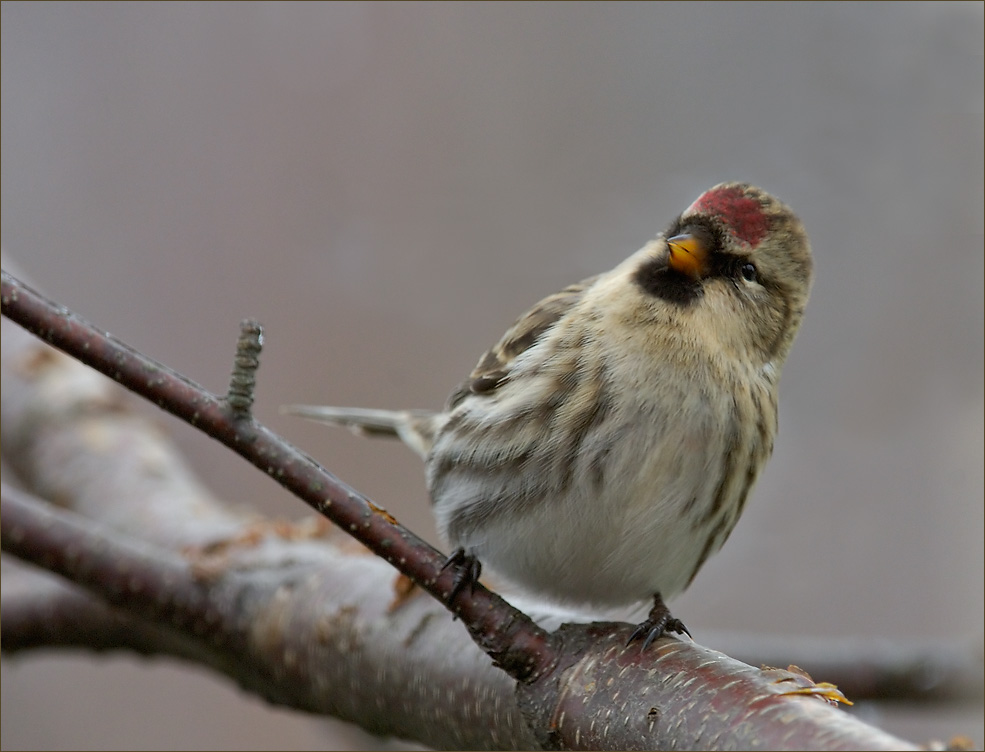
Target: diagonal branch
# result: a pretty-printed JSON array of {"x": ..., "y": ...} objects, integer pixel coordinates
[{"x": 509, "y": 637}]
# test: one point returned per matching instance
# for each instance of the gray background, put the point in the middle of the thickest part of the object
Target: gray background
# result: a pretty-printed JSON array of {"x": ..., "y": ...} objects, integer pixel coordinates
[{"x": 387, "y": 186}]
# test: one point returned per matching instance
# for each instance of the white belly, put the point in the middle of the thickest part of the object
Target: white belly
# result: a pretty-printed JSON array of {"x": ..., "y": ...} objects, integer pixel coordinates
[{"x": 641, "y": 531}]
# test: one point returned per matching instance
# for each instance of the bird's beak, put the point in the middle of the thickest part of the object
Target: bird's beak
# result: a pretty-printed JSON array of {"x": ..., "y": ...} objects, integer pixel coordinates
[{"x": 688, "y": 255}]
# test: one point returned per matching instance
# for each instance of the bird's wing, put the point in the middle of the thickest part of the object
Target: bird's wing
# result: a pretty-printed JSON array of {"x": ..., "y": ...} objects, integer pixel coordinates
[{"x": 494, "y": 367}]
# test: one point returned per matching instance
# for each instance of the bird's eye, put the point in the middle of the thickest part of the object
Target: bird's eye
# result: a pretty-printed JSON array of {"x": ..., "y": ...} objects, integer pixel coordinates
[{"x": 748, "y": 272}]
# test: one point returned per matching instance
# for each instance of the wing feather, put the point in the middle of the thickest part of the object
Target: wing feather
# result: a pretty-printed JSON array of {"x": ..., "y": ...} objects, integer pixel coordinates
[{"x": 493, "y": 368}]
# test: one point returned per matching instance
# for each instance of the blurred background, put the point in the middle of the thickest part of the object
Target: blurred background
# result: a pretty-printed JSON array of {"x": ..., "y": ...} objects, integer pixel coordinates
[{"x": 387, "y": 186}]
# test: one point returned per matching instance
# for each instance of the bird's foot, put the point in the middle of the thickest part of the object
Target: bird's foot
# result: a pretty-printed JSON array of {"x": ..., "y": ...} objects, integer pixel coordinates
[
  {"x": 657, "y": 623},
  {"x": 467, "y": 574}
]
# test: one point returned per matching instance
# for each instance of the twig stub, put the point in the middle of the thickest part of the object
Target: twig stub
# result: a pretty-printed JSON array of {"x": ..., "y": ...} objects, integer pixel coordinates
[{"x": 242, "y": 382}]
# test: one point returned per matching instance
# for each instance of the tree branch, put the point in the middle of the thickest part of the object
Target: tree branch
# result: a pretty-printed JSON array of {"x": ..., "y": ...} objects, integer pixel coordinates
[
  {"x": 297, "y": 622},
  {"x": 508, "y": 636},
  {"x": 303, "y": 622},
  {"x": 915, "y": 671}
]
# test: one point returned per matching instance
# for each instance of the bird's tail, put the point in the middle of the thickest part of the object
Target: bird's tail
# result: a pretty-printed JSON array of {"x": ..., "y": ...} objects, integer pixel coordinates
[{"x": 416, "y": 428}]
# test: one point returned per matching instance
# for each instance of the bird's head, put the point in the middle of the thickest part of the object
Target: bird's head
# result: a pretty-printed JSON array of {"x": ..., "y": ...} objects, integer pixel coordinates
[{"x": 736, "y": 264}]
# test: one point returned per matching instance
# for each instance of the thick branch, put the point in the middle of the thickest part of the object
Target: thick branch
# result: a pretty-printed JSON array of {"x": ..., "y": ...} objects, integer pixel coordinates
[
  {"x": 299, "y": 623},
  {"x": 297, "y": 637}
]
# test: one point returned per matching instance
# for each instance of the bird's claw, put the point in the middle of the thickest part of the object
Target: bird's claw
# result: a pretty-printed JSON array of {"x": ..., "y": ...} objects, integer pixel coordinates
[
  {"x": 469, "y": 570},
  {"x": 657, "y": 624}
]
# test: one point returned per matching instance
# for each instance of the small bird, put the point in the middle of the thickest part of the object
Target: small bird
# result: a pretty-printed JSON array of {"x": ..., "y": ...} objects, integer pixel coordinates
[{"x": 604, "y": 448}]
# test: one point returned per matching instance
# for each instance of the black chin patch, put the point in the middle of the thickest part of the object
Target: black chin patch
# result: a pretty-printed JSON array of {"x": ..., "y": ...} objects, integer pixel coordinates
[{"x": 660, "y": 281}]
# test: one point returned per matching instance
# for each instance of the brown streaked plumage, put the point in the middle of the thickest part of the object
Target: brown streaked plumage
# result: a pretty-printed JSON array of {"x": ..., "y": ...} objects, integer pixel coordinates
[
  {"x": 606, "y": 445},
  {"x": 493, "y": 366}
]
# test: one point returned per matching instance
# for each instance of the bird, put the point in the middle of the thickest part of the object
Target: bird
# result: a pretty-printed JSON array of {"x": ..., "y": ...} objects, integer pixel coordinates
[{"x": 605, "y": 446}]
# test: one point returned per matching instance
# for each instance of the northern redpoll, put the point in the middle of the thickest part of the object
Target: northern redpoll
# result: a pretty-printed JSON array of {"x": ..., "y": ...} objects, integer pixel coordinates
[{"x": 605, "y": 446}]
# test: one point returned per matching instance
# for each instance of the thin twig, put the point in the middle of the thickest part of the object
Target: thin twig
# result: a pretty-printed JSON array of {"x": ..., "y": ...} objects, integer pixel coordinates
[{"x": 509, "y": 637}]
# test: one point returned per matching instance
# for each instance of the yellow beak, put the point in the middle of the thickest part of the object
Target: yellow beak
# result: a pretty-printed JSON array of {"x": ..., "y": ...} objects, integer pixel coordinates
[{"x": 688, "y": 255}]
